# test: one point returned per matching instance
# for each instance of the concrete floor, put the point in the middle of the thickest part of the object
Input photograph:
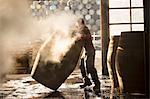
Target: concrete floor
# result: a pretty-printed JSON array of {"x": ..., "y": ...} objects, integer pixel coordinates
[{"x": 22, "y": 86}]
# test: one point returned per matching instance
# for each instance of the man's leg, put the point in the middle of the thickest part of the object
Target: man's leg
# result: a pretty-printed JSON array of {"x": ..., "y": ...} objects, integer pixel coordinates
[
  {"x": 87, "y": 81},
  {"x": 82, "y": 68},
  {"x": 92, "y": 70}
]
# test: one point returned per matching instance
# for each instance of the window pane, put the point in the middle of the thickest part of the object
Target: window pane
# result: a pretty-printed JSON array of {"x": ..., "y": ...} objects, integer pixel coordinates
[
  {"x": 137, "y": 15},
  {"x": 119, "y": 3},
  {"x": 137, "y": 3},
  {"x": 137, "y": 27},
  {"x": 117, "y": 29},
  {"x": 119, "y": 15}
]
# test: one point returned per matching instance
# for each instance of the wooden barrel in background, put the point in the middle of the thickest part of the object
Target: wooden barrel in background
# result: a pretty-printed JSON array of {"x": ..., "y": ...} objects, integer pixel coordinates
[
  {"x": 113, "y": 44},
  {"x": 130, "y": 61}
]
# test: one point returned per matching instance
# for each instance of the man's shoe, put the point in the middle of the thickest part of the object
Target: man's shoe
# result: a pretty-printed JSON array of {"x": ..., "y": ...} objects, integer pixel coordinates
[
  {"x": 87, "y": 82},
  {"x": 96, "y": 89},
  {"x": 84, "y": 85}
]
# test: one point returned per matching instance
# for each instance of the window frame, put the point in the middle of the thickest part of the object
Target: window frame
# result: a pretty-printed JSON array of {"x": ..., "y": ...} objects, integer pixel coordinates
[{"x": 130, "y": 14}]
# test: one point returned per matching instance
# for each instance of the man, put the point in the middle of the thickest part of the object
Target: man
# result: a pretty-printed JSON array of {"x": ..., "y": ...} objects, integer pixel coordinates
[{"x": 86, "y": 40}]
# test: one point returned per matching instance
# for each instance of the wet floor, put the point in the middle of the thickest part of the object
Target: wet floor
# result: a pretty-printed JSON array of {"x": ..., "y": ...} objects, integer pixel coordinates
[{"x": 24, "y": 87}]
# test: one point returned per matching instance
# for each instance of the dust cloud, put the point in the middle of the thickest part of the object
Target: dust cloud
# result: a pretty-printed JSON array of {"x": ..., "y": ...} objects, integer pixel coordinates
[{"x": 18, "y": 28}]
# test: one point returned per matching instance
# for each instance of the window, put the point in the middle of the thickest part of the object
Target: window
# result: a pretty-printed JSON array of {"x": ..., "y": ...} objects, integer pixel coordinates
[{"x": 125, "y": 15}]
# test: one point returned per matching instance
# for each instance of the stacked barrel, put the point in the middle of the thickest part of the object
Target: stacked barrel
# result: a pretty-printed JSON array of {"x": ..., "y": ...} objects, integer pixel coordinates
[{"x": 126, "y": 63}]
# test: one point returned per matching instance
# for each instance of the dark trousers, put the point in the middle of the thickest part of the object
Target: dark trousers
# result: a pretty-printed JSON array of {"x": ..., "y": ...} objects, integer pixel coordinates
[{"x": 89, "y": 68}]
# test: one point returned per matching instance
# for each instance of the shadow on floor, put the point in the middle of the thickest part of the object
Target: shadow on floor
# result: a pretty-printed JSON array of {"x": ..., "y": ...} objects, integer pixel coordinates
[{"x": 55, "y": 94}]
